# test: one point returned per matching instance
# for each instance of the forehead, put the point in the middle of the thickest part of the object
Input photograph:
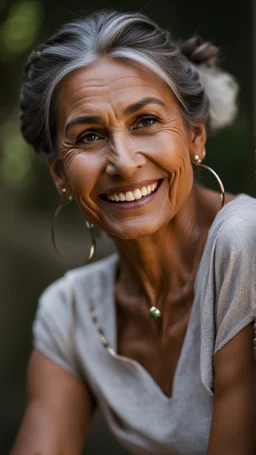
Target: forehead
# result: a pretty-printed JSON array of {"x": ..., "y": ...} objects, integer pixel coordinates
[{"x": 110, "y": 82}]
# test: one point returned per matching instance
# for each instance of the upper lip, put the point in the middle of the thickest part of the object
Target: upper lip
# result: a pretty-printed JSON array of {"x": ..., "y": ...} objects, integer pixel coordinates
[{"x": 124, "y": 189}]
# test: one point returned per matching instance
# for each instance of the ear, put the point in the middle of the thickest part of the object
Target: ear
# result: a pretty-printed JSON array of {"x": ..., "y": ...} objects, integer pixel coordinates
[
  {"x": 59, "y": 176},
  {"x": 197, "y": 141}
]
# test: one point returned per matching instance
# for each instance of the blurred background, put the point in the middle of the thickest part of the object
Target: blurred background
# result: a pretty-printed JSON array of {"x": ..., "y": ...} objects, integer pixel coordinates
[{"x": 28, "y": 197}]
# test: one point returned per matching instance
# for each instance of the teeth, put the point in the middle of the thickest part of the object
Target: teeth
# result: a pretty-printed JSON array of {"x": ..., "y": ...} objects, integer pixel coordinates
[
  {"x": 129, "y": 196},
  {"x": 137, "y": 194},
  {"x": 133, "y": 195},
  {"x": 121, "y": 197}
]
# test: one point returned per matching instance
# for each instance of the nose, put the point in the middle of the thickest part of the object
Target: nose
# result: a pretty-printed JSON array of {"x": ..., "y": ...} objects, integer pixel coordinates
[{"x": 124, "y": 160}]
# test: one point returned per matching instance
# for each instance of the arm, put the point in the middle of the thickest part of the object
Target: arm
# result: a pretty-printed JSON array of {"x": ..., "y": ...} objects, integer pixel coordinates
[
  {"x": 233, "y": 429},
  {"x": 59, "y": 411}
]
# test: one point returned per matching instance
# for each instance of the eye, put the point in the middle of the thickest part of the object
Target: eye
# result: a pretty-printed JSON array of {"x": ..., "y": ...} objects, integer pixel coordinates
[
  {"x": 145, "y": 122},
  {"x": 88, "y": 137}
]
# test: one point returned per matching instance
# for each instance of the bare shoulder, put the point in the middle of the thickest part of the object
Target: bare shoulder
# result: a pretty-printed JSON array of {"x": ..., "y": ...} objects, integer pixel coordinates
[{"x": 58, "y": 401}]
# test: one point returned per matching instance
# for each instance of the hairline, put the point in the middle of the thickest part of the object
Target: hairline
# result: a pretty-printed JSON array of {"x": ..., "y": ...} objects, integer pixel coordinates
[{"x": 126, "y": 54}]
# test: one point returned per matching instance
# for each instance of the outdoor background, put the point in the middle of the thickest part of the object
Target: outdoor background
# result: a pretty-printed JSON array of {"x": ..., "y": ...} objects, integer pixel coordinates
[{"x": 28, "y": 198}]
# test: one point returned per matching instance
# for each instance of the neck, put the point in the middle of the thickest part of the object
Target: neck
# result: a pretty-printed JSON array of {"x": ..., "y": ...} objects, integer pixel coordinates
[{"x": 162, "y": 264}]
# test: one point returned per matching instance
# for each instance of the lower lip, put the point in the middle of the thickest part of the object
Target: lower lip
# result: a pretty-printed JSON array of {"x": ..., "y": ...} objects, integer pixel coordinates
[{"x": 136, "y": 203}]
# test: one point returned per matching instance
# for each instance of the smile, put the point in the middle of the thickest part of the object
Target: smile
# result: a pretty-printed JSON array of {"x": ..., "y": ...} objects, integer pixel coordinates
[
  {"x": 132, "y": 198},
  {"x": 137, "y": 194}
]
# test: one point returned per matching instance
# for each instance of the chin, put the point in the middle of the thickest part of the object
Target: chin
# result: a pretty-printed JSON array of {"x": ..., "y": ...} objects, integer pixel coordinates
[{"x": 134, "y": 231}]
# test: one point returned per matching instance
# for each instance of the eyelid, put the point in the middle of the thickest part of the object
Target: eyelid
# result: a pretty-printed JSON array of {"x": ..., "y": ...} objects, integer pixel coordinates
[
  {"x": 96, "y": 133},
  {"x": 142, "y": 116},
  {"x": 105, "y": 133},
  {"x": 146, "y": 117}
]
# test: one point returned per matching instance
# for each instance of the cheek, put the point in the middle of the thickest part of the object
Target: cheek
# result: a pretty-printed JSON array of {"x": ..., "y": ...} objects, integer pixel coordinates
[
  {"x": 182, "y": 181},
  {"x": 83, "y": 173},
  {"x": 169, "y": 151}
]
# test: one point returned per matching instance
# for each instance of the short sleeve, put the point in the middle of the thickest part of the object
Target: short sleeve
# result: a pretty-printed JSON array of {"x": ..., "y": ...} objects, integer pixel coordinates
[
  {"x": 53, "y": 326},
  {"x": 235, "y": 276}
]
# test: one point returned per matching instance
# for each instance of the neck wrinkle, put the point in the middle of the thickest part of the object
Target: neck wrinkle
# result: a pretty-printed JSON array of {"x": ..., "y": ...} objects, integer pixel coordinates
[{"x": 162, "y": 266}]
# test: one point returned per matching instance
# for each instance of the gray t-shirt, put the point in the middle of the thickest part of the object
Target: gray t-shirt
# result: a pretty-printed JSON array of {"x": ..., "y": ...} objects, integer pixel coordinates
[{"x": 142, "y": 418}]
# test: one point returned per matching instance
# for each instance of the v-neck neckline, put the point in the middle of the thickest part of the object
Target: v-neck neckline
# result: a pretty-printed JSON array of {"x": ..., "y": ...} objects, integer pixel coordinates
[
  {"x": 133, "y": 365},
  {"x": 150, "y": 383}
]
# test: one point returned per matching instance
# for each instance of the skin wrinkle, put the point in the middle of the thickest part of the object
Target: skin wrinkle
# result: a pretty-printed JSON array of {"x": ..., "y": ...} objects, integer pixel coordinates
[
  {"x": 157, "y": 242},
  {"x": 166, "y": 128},
  {"x": 92, "y": 87},
  {"x": 80, "y": 120}
]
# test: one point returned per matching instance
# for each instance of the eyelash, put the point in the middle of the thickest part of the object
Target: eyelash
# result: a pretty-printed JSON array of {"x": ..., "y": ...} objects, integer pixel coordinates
[
  {"x": 148, "y": 117},
  {"x": 139, "y": 120}
]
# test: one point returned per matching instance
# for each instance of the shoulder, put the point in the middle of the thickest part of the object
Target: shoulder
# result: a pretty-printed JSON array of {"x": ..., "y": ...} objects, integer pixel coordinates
[
  {"x": 227, "y": 279},
  {"x": 86, "y": 280},
  {"x": 101, "y": 270},
  {"x": 230, "y": 243},
  {"x": 234, "y": 227},
  {"x": 234, "y": 233},
  {"x": 234, "y": 268}
]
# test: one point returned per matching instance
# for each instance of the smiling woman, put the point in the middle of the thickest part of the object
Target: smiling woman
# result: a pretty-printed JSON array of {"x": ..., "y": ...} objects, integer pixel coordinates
[
  {"x": 159, "y": 335},
  {"x": 132, "y": 137}
]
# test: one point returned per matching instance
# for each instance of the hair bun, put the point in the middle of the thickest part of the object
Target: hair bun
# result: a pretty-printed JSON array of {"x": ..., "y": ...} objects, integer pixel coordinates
[{"x": 199, "y": 52}]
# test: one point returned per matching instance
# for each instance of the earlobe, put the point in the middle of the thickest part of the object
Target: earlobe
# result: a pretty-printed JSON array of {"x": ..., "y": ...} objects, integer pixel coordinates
[
  {"x": 58, "y": 174},
  {"x": 197, "y": 142}
]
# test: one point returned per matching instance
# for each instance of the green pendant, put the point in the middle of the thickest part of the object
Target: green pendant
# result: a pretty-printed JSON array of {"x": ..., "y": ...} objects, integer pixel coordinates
[{"x": 154, "y": 313}]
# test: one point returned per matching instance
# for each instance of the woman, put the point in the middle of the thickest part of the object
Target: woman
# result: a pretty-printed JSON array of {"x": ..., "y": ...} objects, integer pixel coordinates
[{"x": 160, "y": 334}]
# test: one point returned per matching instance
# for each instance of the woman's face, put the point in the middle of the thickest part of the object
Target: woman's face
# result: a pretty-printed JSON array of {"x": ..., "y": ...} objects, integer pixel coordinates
[{"x": 125, "y": 148}]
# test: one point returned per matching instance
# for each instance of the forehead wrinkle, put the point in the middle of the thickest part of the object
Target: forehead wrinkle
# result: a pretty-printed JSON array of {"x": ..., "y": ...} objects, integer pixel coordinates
[
  {"x": 105, "y": 97},
  {"x": 105, "y": 90},
  {"x": 99, "y": 81},
  {"x": 108, "y": 72},
  {"x": 88, "y": 101}
]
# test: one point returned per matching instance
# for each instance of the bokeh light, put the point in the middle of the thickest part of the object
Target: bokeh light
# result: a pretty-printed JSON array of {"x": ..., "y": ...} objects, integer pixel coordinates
[{"x": 18, "y": 31}]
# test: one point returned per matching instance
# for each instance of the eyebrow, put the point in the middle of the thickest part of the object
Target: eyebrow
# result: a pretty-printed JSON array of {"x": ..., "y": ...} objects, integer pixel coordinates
[
  {"x": 136, "y": 106},
  {"x": 92, "y": 119},
  {"x": 81, "y": 120}
]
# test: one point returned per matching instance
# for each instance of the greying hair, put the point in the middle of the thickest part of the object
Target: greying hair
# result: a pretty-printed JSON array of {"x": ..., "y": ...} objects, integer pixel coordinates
[{"x": 205, "y": 93}]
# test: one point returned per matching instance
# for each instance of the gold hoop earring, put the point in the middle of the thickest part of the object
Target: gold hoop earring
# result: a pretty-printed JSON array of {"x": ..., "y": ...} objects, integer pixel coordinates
[
  {"x": 89, "y": 226},
  {"x": 198, "y": 162},
  {"x": 93, "y": 245}
]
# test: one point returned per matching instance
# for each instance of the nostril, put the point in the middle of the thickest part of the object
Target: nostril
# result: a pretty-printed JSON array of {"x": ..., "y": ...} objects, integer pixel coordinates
[{"x": 112, "y": 170}]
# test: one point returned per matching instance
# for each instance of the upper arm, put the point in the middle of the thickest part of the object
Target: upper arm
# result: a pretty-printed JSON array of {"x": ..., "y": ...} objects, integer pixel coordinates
[
  {"x": 233, "y": 308},
  {"x": 59, "y": 411},
  {"x": 233, "y": 429}
]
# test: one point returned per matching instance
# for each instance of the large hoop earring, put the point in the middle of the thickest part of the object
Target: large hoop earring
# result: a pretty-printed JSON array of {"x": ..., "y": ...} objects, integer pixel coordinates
[
  {"x": 198, "y": 162},
  {"x": 89, "y": 226}
]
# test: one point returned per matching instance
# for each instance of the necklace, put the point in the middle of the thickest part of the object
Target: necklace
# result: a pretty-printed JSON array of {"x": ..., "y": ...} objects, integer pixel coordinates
[{"x": 154, "y": 312}]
